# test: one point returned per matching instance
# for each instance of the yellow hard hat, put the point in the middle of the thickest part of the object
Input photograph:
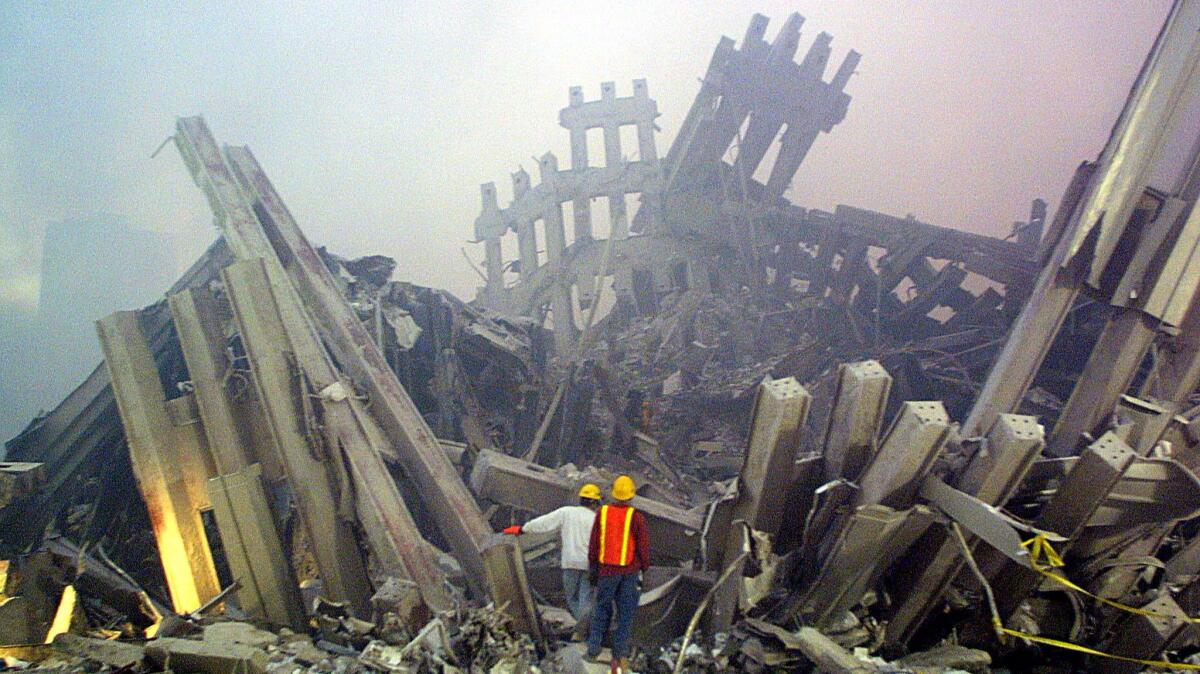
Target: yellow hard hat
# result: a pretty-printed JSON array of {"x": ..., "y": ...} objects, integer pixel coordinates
[
  {"x": 590, "y": 491},
  {"x": 623, "y": 488}
]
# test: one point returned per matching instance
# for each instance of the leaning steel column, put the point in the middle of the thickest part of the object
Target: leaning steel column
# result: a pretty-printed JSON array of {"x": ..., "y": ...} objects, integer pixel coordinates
[
  {"x": 1096, "y": 217},
  {"x": 780, "y": 411},
  {"x": 1176, "y": 373},
  {"x": 250, "y": 226},
  {"x": 333, "y": 545},
  {"x": 1110, "y": 369},
  {"x": 248, "y": 534},
  {"x": 442, "y": 490},
  {"x": 174, "y": 516}
]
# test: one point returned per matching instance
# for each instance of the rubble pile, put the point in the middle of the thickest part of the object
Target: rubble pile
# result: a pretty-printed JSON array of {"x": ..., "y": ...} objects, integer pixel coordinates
[
  {"x": 467, "y": 641},
  {"x": 863, "y": 443}
]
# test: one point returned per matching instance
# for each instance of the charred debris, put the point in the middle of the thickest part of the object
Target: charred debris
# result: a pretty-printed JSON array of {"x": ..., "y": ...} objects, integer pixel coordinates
[{"x": 865, "y": 443}]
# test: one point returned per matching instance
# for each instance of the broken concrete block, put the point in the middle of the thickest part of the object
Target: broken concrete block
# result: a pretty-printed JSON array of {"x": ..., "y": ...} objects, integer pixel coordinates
[
  {"x": 382, "y": 657},
  {"x": 239, "y": 633},
  {"x": 206, "y": 657},
  {"x": 19, "y": 479},
  {"x": 403, "y": 599},
  {"x": 112, "y": 653},
  {"x": 305, "y": 652},
  {"x": 357, "y": 628}
]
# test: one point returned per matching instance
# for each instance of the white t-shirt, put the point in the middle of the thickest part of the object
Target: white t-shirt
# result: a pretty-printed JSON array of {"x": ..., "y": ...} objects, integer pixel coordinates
[{"x": 574, "y": 524}]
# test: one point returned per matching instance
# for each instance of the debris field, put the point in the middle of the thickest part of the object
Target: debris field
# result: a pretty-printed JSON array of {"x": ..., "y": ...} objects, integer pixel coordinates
[{"x": 862, "y": 442}]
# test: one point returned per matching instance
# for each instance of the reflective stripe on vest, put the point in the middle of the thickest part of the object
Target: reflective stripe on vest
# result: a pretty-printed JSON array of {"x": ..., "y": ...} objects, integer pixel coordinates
[{"x": 624, "y": 544}]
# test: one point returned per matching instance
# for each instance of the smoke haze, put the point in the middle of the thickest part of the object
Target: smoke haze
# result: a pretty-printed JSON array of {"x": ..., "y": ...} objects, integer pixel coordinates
[{"x": 378, "y": 121}]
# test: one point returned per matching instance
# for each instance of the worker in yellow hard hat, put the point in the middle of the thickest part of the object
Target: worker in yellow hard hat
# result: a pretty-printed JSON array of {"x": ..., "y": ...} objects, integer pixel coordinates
[
  {"x": 574, "y": 524},
  {"x": 618, "y": 554}
]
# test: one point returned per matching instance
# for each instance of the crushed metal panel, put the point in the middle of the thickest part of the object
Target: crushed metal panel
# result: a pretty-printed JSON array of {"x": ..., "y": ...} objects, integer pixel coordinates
[{"x": 981, "y": 519}]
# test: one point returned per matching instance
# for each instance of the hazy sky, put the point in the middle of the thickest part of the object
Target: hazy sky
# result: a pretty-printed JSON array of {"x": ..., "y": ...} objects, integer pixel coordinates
[{"x": 378, "y": 121}]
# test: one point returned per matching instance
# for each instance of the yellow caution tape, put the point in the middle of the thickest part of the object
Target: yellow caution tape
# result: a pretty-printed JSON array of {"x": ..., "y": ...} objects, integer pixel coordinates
[
  {"x": 1040, "y": 548},
  {"x": 1166, "y": 664},
  {"x": 1043, "y": 556}
]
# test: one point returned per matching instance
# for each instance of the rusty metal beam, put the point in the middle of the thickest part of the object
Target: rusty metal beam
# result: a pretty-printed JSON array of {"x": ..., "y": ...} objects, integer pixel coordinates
[
  {"x": 202, "y": 344},
  {"x": 248, "y": 535},
  {"x": 314, "y": 485},
  {"x": 390, "y": 530}
]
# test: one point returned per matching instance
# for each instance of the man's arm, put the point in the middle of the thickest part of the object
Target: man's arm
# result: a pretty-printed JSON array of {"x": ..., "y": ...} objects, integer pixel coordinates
[
  {"x": 594, "y": 551},
  {"x": 641, "y": 545},
  {"x": 551, "y": 521}
]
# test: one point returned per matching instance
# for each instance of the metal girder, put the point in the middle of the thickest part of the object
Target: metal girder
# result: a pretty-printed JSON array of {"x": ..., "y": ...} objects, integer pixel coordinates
[
  {"x": 313, "y": 484},
  {"x": 202, "y": 344},
  {"x": 502, "y": 559},
  {"x": 858, "y": 404},
  {"x": 873, "y": 537},
  {"x": 255, "y": 222},
  {"x": 252, "y": 546},
  {"x": 1144, "y": 636},
  {"x": 1081, "y": 493},
  {"x": 906, "y": 455}
]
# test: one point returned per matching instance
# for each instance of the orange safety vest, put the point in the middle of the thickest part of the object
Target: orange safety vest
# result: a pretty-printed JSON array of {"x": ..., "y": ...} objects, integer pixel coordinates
[{"x": 616, "y": 539}]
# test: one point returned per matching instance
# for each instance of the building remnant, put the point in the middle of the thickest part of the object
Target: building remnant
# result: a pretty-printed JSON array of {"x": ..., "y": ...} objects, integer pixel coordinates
[{"x": 786, "y": 384}]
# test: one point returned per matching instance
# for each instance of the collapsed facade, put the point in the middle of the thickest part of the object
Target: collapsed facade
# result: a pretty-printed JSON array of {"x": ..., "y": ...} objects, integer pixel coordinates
[{"x": 841, "y": 417}]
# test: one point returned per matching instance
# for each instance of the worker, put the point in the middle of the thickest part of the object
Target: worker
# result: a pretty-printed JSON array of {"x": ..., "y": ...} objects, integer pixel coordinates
[
  {"x": 574, "y": 524},
  {"x": 618, "y": 554}
]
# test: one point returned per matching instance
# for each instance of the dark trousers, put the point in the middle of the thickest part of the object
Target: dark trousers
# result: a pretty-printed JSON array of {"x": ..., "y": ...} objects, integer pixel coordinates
[{"x": 621, "y": 592}]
